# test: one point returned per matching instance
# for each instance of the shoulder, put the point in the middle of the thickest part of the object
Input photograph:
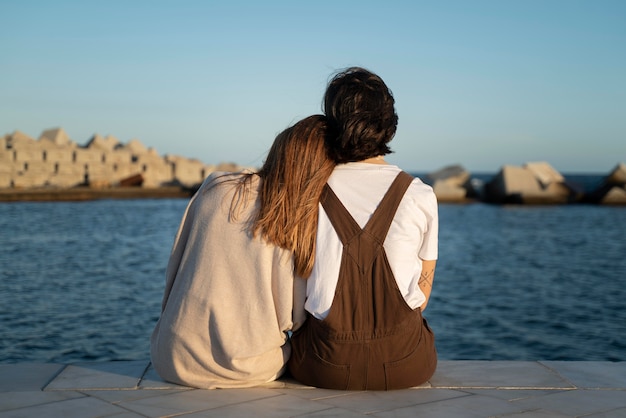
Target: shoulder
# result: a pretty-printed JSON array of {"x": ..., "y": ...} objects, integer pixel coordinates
[
  {"x": 228, "y": 181},
  {"x": 422, "y": 195},
  {"x": 419, "y": 187},
  {"x": 218, "y": 177},
  {"x": 220, "y": 189}
]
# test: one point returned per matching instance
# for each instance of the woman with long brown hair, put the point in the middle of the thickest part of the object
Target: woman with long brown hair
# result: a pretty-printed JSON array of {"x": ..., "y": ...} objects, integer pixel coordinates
[{"x": 229, "y": 291}]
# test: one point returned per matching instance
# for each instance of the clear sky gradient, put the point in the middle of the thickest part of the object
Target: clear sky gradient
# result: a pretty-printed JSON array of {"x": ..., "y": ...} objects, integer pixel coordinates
[{"x": 477, "y": 83}]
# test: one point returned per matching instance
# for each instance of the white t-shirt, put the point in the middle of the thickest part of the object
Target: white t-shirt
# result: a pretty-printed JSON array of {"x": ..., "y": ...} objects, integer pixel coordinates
[{"x": 412, "y": 236}]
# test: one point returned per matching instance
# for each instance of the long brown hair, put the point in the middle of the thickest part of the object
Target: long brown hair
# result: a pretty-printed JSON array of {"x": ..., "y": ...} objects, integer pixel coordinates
[{"x": 292, "y": 179}]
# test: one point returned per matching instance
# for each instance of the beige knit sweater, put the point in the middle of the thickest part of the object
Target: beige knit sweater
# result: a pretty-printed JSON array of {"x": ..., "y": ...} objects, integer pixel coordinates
[{"x": 228, "y": 297}]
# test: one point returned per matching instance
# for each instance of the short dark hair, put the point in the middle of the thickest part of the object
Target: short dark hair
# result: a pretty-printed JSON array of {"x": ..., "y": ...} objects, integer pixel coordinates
[{"x": 361, "y": 114}]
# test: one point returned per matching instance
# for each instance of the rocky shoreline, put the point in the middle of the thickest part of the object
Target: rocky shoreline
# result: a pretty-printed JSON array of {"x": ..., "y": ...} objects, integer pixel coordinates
[
  {"x": 534, "y": 183},
  {"x": 531, "y": 184},
  {"x": 55, "y": 168},
  {"x": 84, "y": 193}
]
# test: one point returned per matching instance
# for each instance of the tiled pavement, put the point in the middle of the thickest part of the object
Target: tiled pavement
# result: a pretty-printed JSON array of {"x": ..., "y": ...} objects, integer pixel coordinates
[{"x": 458, "y": 389}]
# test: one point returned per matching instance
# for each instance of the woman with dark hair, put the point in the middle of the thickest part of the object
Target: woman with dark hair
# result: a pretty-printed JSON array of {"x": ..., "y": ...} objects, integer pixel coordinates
[
  {"x": 375, "y": 259},
  {"x": 229, "y": 293}
]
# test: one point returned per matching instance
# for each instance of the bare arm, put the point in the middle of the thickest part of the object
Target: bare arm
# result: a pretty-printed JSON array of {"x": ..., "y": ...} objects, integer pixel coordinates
[{"x": 426, "y": 279}]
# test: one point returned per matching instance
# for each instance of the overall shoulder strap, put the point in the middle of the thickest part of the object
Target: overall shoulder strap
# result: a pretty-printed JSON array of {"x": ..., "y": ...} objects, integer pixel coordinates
[
  {"x": 381, "y": 219},
  {"x": 344, "y": 224}
]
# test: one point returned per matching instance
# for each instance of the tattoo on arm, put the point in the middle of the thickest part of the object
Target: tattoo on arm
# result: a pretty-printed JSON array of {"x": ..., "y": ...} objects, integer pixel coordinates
[{"x": 426, "y": 278}]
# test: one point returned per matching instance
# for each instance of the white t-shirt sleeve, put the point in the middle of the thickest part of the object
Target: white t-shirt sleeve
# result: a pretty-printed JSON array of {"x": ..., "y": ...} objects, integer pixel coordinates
[{"x": 430, "y": 243}]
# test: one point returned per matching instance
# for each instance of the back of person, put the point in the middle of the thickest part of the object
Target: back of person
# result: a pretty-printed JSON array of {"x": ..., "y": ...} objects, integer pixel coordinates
[
  {"x": 231, "y": 296},
  {"x": 228, "y": 297},
  {"x": 365, "y": 329},
  {"x": 412, "y": 235},
  {"x": 375, "y": 255}
]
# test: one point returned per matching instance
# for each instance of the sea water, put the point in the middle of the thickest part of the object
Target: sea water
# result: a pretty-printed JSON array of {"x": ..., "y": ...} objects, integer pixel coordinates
[{"x": 84, "y": 280}]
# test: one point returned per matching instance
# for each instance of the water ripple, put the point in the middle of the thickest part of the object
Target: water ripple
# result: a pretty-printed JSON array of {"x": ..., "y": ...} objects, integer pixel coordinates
[{"x": 84, "y": 281}]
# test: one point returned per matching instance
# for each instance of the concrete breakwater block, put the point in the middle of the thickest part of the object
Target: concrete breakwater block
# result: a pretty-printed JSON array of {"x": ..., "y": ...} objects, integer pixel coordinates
[
  {"x": 451, "y": 184},
  {"x": 532, "y": 183},
  {"x": 612, "y": 190}
]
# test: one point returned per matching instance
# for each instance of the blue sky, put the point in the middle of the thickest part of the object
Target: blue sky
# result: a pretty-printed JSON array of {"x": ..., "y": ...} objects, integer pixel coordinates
[{"x": 477, "y": 83}]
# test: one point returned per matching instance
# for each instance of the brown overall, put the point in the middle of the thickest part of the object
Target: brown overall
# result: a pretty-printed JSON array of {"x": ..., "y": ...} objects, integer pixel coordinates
[{"x": 371, "y": 339}]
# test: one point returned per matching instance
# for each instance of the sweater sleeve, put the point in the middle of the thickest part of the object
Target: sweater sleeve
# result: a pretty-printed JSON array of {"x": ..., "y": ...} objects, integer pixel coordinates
[
  {"x": 178, "y": 249},
  {"x": 283, "y": 291}
]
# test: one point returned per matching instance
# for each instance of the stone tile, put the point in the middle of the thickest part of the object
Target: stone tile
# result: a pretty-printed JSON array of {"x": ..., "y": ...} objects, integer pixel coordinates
[
  {"x": 495, "y": 374},
  {"x": 85, "y": 407},
  {"x": 27, "y": 376},
  {"x": 508, "y": 389},
  {"x": 377, "y": 401},
  {"x": 512, "y": 394},
  {"x": 15, "y": 400},
  {"x": 111, "y": 375},
  {"x": 332, "y": 412},
  {"x": 577, "y": 402},
  {"x": 126, "y": 414},
  {"x": 151, "y": 380},
  {"x": 537, "y": 413},
  {"x": 272, "y": 407},
  {"x": 117, "y": 396},
  {"x": 615, "y": 413},
  {"x": 591, "y": 374},
  {"x": 463, "y": 407},
  {"x": 315, "y": 394},
  {"x": 194, "y": 400}
]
